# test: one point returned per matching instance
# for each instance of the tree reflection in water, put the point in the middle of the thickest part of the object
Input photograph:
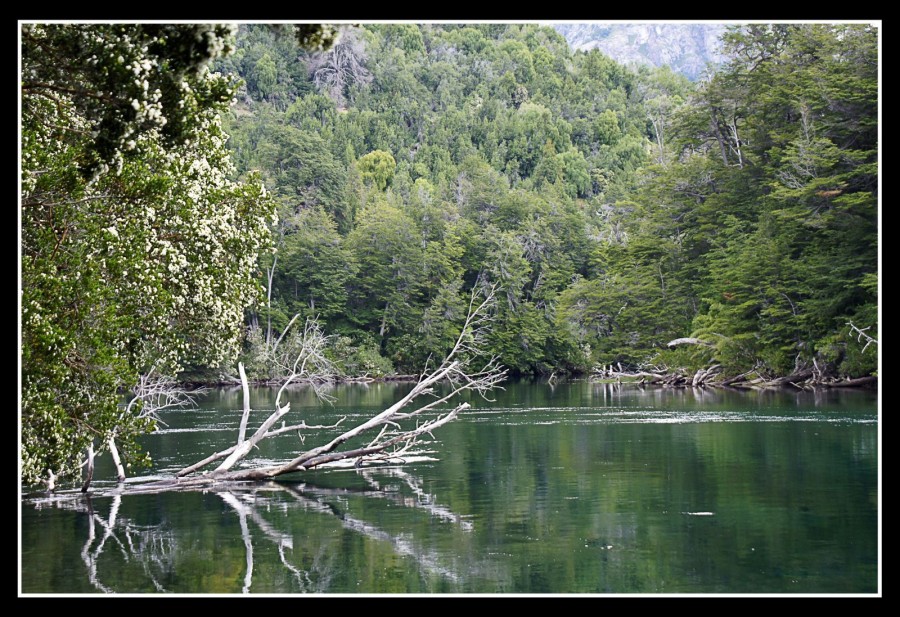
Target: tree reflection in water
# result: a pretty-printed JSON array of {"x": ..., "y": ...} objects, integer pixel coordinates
[
  {"x": 151, "y": 546},
  {"x": 111, "y": 536}
]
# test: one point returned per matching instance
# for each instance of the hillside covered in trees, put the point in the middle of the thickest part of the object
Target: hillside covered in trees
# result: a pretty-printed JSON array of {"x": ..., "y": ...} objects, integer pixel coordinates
[
  {"x": 616, "y": 210},
  {"x": 190, "y": 191}
]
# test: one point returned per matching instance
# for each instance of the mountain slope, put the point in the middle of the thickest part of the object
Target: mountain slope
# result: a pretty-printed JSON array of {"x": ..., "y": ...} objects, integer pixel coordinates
[{"x": 686, "y": 48}]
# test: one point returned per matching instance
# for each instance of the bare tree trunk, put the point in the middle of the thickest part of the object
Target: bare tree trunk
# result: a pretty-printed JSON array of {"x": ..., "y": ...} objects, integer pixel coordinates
[
  {"x": 732, "y": 126},
  {"x": 739, "y": 378},
  {"x": 714, "y": 124},
  {"x": 243, "y": 448},
  {"x": 658, "y": 128},
  {"x": 862, "y": 336},
  {"x": 688, "y": 341},
  {"x": 703, "y": 375},
  {"x": 114, "y": 451},
  {"x": 89, "y": 468},
  {"x": 698, "y": 377},
  {"x": 243, "y": 429},
  {"x": 271, "y": 275},
  {"x": 384, "y": 321}
]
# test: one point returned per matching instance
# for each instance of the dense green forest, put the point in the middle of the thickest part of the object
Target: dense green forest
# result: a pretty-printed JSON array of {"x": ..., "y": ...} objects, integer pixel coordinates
[
  {"x": 616, "y": 209},
  {"x": 186, "y": 190}
]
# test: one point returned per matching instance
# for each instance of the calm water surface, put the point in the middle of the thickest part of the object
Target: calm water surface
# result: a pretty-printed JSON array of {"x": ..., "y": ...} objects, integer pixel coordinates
[{"x": 580, "y": 488}]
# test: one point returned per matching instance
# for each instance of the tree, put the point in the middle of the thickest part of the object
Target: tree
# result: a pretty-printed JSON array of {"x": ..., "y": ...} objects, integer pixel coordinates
[
  {"x": 398, "y": 430},
  {"x": 265, "y": 75},
  {"x": 378, "y": 168},
  {"x": 341, "y": 66},
  {"x": 384, "y": 245},
  {"x": 785, "y": 201},
  {"x": 138, "y": 250},
  {"x": 316, "y": 267},
  {"x": 663, "y": 91}
]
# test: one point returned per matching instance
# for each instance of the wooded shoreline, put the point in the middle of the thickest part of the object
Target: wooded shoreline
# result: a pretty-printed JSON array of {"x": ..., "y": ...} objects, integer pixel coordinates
[{"x": 708, "y": 377}]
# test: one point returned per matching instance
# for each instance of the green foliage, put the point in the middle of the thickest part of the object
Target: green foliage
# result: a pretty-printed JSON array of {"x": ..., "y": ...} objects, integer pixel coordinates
[
  {"x": 384, "y": 246},
  {"x": 788, "y": 284},
  {"x": 315, "y": 267},
  {"x": 616, "y": 208},
  {"x": 264, "y": 76},
  {"x": 316, "y": 37},
  {"x": 307, "y": 175},
  {"x": 359, "y": 355},
  {"x": 125, "y": 80},
  {"x": 378, "y": 168},
  {"x": 138, "y": 251}
]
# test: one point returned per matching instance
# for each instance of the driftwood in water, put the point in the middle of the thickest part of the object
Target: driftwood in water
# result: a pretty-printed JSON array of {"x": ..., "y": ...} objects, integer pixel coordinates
[
  {"x": 855, "y": 383},
  {"x": 705, "y": 375},
  {"x": 793, "y": 378},
  {"x": 804, "y": 378},
  {"x": 397, "y": 430}
]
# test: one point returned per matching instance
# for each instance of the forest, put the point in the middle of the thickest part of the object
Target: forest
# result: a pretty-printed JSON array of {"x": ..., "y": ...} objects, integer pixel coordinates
[
  {"x": 617, "y": 210},
  {"x": 190, "y": 193}
]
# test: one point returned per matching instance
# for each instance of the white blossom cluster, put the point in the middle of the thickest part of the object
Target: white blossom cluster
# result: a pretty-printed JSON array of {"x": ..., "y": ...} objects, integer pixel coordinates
[{"x": 149, "y": 262}]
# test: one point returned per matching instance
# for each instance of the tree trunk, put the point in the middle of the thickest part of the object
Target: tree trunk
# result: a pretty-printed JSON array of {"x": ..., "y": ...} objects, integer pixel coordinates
[
  {"x": 243, "y": 429},
  {"x": 88, "y": 469},
  {"x": 271, "y": 274},
  {"x": 383, "y": 328},
  {"x": 114, "y": 451},
  {"x": 714, "y": 124},
  {"x": 853, "y": 383},
  {"x": 688, "y": 341},
  {"x": 737, "y": 141}
]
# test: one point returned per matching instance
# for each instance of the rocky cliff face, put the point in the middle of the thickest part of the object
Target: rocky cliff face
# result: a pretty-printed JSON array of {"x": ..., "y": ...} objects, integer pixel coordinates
[{"x": 686, "y": 48}]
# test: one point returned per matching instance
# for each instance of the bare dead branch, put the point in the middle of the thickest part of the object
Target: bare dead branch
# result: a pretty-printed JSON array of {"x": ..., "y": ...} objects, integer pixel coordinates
[
  {"x": 399, "y": 428},
  {"x": 861, "y": 335},
  {"x": 156, "y": 392},
  {"x": 688, "y": 341}
]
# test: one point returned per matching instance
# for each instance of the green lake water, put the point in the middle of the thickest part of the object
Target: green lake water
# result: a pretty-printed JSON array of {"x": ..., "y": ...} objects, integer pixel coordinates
[{"x": 580, "y": 488}]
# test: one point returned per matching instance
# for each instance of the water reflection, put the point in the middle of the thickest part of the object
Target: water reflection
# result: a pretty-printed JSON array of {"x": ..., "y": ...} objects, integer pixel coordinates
[
  {"x": 616, "y": 393},
  {"x": 153, "y": 547},
  {"x": 267, "y": 516},
  {"x": 576, "y": 488}
]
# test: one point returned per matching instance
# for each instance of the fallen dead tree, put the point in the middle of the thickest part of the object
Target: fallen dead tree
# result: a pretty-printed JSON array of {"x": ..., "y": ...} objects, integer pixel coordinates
[
  {"x": 803, "y": 378},
  {"x": 805, "y": 375},
  {"x": 658, "y": 375},
  {"x": 393, "y": 434},
  {"x": 688, "y": 341}
]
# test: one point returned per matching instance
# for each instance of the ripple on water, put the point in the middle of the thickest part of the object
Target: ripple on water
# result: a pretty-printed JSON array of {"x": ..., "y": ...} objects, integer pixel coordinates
[{"x": 592, "y": 415}]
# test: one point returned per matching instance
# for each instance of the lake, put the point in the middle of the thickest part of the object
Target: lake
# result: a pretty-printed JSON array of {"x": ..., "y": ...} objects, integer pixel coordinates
[{"x": 576, "y": 488}]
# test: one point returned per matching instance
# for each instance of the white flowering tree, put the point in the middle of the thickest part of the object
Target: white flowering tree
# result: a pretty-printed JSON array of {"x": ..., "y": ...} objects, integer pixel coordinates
[{"x": 138, "y": 249}]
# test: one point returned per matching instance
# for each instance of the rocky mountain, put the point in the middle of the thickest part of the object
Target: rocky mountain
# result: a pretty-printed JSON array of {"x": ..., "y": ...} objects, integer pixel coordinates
[{"x": 686, "y": 48}]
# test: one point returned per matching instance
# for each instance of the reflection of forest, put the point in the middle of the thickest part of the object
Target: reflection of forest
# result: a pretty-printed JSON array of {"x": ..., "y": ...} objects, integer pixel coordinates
[
  {"x": 582, "y": 488},
  {"x": 155, "y": 552}
]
